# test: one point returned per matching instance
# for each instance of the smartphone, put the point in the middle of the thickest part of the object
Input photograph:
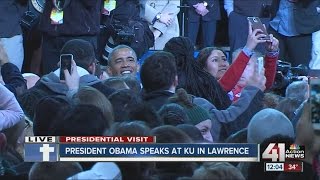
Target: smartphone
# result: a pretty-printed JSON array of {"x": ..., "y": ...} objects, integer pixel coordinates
[
  {"x": 257, "y": 24},
  {"x": 65, "y": 63},
  {"x": 315, "y": 102},
  {"x": 260, "y": 62}
]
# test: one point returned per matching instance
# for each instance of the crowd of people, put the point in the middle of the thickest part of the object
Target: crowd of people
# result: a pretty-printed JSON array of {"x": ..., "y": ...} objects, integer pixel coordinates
[{"x": 175, "y": 94}]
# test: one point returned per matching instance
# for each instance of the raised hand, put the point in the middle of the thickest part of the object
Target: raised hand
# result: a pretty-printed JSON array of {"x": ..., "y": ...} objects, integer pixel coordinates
[
  {"x": 272, "y": 44},
  {"x": 254, "y": 37},
  {"x": 258, "y": 79},
  {"x": 73, "y": 78}
]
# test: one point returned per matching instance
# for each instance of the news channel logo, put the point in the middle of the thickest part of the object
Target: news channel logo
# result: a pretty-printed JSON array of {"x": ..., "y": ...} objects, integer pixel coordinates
[
  {"x": 40, "y": 153},
  {"x": 277, "y": 152}
]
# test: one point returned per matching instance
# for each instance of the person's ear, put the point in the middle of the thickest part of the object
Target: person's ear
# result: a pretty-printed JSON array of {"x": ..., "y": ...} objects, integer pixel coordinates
[
  {"x": 138, "y": 67},
  {"x": 92, "y": 68},
  {"x": 109, "y": 71}
]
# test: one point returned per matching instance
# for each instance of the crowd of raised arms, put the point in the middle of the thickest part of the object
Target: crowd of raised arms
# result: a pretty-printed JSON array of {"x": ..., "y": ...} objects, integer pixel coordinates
[{"x": 130, "y": 68}]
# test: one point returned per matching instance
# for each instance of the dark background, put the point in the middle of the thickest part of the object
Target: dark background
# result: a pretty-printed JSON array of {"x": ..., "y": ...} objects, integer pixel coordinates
[{"x": 222, "y": 26}]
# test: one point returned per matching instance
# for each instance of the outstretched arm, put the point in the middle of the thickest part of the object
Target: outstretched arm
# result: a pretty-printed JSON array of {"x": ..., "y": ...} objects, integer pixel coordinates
[
  {"x": 233, "y": 74},
  {"x": 11, "y": 74},
  {"x": 271, "y": 59},
  {"x": 238, "y": 115},
  {"x": 229, "y": 80}
]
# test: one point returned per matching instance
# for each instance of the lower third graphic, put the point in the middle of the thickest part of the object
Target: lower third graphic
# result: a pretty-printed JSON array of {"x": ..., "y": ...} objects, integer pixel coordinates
[{"x": 40, "y": 152}]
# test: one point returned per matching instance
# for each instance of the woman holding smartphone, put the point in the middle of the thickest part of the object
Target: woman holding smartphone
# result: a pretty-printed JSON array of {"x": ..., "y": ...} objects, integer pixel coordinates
[{"x": 234, "y": 78}]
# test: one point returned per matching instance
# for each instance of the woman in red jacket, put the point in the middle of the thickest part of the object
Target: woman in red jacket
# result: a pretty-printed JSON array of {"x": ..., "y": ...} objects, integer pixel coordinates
[{"x": 234, "y": 77}]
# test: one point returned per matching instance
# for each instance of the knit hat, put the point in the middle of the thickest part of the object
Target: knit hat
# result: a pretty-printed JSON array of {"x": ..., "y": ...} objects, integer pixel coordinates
[
  {"x": 101, "y": 170},
  {"x": 195, "y": 113},
  {"x": 267, "y": 123}
]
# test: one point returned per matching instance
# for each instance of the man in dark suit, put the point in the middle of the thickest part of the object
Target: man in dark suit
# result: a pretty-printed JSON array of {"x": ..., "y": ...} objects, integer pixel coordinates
[
  {"x": 65, "y": 20},
  {"x": 205, "y": 13},
  {"x": 238, "y": 11}
]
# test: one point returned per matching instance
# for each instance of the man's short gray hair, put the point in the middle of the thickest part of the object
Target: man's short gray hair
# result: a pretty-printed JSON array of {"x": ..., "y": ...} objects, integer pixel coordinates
[
  {"x": 297, "y": 90},
  {"x": 236, "y": 53}
]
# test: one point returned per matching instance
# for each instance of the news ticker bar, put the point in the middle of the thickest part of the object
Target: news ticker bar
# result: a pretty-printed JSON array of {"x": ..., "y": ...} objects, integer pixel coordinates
[
  {"x": 156, "y": 159},
  {"x": 36, "y": 152},
  {"x": 90, "y": 139},
  {"x": 283, "y": 166}
]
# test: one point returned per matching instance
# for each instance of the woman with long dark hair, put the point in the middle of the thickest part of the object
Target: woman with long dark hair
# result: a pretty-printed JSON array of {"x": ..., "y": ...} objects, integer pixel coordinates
[
  {"x": 235, "y": 77},
  {"x": 193, "y": 78},
  {"x": 214, "y": 61}
]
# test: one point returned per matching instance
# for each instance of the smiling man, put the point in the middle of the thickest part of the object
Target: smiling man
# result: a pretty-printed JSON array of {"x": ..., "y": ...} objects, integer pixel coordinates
[{"x": 122, "y": 61}]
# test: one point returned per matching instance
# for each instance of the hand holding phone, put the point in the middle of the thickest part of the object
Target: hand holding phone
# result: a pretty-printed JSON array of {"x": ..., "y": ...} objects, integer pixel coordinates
[
  {"x": 257, "y": 24},
  {"x": 72, "y": 80},
  {"x": 65, "y": 63},
  {"x": 272, "y": 44},
  {"x": 255, "y": 35}
]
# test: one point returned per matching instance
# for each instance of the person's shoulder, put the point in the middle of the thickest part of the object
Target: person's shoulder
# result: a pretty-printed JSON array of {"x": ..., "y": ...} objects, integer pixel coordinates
[
  {"x": 202, "y": 102},
  {"x": 89, "y": 79},
  {"x": 50, "y": 76},
  {"x": 106, "y": 90}
]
